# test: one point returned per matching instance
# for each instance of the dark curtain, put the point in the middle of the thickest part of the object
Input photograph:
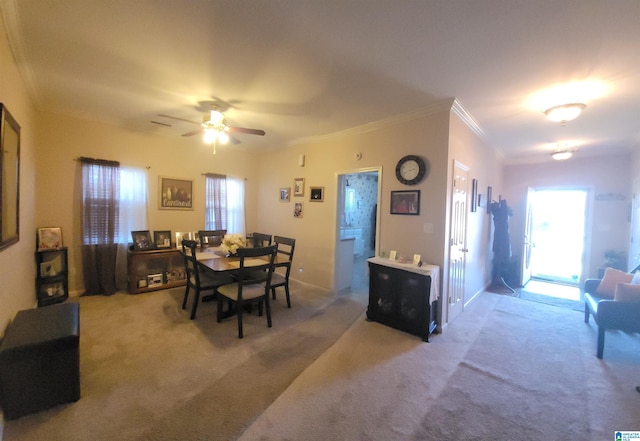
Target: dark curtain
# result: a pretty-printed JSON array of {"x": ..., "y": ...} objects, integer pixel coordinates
[
  {"x": 216, "y": 203},
  {"x": 100, "y": 194}
]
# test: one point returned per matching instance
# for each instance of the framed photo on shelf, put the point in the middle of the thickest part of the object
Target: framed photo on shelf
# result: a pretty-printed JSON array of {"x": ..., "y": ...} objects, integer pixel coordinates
[
  {"x": 316, "y": 194},
  {"x": 49, "y": 238},
  {"x": 142, "y": 240},
  {"x": 175, "y": 194},
  {"x": 162, "y": 239},
  {"x": 405, "y": 202},
  {"x": 285, "y": 194},
  {"x": 298, "y": 187}
]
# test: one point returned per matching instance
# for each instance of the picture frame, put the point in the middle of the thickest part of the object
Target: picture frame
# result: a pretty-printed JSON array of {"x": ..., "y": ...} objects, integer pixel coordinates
[
  {"x": 162, "y": 239},
  {"x": 142, "y": 240},
  {"x": 405, "y": 202},
  {"x": 10, "y": 179},
  {"x": 49, "y": 238},
  {"x": 285, "y": 194},
  {"x": 489, "y": 196},
  {"x": 298, "y": 187},
  {"x": 297, "y": 210},
  {"x": 175, "y": 194},
  {"x": 316, "y": 194},
  {"x": 474, "y": 195}
]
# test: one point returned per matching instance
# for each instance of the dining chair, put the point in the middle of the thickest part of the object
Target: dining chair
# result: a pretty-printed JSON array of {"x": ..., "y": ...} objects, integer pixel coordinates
[
  {"x": 210, "y": 238},
  {"x": 285, "y": 247},
  {"x": 261, "y": 239},
  {"x": 196, "y": 279},
  {"x": 246, "y": 290}
]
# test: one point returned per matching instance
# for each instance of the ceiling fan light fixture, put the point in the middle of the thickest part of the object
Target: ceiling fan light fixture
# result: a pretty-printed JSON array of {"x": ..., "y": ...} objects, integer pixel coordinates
[
  {"x": 223, "y": 137},
  {"x": 562, "y": 155},
  {"x": 565, "y": 112},
  {"x": 217, "y": 118},
  {"x": 209, "y": 136}
]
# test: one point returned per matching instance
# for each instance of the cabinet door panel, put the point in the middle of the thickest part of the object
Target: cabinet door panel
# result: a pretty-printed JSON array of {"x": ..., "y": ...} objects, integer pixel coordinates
[
  {"x": 383, "y": 292},
  {"x": 413, "y": 302}
]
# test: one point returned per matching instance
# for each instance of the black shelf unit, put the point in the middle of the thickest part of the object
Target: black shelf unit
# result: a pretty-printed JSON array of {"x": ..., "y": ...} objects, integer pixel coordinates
[{"x": 52, "y": 276}]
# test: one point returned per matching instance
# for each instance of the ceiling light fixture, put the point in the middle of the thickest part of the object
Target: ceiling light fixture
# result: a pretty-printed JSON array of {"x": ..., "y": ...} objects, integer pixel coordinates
[
  {"x": 562, "y": 155},
  {"x": 565, "y": 112},
  {"x": 215, "y": 129}
]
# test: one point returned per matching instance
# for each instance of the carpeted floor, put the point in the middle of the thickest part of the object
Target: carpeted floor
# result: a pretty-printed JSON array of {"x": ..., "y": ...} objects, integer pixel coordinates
[{"x": 505, "y": 369}]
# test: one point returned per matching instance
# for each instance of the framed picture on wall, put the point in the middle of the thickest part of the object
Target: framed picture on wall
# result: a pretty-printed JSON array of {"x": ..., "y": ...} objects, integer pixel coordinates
[
  {"x": 298, "y": 187},
  {"x": 175, "y": 194},
  {"x": 316, "y": 194},
  {"x": 474, "y": 195},
  {"x": 405, "y": 202},
  {"x": 285, "y": 194},
  {"x": 297, "y": 210}
]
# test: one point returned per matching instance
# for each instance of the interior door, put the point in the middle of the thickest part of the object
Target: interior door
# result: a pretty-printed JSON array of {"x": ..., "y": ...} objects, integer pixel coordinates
[
  {"x": 527, "y": 244},
  {"x": 457, "y": 240}
]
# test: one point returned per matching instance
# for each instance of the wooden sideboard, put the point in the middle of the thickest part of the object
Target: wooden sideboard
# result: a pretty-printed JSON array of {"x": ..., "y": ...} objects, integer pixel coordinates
[
  {"x": 403, "y": 296},
  {"x": 155, "y": 269}
]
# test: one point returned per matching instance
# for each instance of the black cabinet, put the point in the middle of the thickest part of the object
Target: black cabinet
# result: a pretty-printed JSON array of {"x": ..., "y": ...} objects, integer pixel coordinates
[
  {"x": 52, "y": 282},
  {"x": 403, "y": 297}
]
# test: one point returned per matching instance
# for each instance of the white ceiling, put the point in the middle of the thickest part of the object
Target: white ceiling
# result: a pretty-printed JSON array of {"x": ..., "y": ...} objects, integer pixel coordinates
[{"x": 301, "y": 68}]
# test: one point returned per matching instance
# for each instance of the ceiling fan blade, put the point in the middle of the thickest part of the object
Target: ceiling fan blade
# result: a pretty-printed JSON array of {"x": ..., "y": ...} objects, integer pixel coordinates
[
  {"x": 179, "y": 119},
  {"x": 234, "y": 140},
  {"x": 247, "y": 131},
  {"x": 160, "y": 123},
  {"x": 195, "y": 132}
]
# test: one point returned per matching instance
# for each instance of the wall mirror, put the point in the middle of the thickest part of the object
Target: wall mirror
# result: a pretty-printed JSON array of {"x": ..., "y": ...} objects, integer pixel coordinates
[{"x": 9, "y": 178}]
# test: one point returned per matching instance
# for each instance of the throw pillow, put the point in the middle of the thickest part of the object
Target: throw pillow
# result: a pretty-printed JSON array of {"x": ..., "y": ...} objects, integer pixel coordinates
[
  {"x": 611, "y": 278},
  {"x": 626, "y": 292},
  {"x": 636, "y": 278}
]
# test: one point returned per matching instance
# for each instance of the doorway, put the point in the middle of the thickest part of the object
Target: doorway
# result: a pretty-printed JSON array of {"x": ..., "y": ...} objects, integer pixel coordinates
[
  {"x": 357, "y": 228},
  {"x": 556, "y": 236}
]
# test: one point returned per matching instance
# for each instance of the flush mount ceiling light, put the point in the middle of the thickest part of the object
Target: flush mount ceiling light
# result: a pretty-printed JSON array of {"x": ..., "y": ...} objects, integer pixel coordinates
[
  {"x": 565, "y": 112},
  {"x": 562, "y": 155}
]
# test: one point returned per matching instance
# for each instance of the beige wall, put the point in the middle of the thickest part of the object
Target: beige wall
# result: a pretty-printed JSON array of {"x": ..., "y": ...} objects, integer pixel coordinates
[
  {"x": 486, "y": 166},
  {"x": 608, "y": 226},
  {"x": 17, "y": 263},
  {"x": 381, "y": 145},
  {"x": 64, "y": 139}
]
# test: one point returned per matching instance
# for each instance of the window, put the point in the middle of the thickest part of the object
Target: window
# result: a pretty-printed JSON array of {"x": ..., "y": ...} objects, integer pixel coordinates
[
  {"x": 114, "y": 202},
  {"x": 224, "y": 204}
]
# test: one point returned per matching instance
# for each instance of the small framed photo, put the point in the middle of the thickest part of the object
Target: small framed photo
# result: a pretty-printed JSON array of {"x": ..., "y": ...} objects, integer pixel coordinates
[
  {"x": 285, "y": 194},
  {"x": 298, "y": 187},
  {"x": 405, "y": 202},
  {"x": 142, "y": 240},
  {"x": 393, "y": 255},
  {"x": 175, "y": 194},
  {"x": 49, "y": 238},
  {"x": 489, "y": 196},
  {"x": 162, "y": 239},
  {"x": 417, "y": 259},
  {"x": 297, "y": 210},
  {"x": 316, "y": 194},
  {"x": 474, "y": 195}
]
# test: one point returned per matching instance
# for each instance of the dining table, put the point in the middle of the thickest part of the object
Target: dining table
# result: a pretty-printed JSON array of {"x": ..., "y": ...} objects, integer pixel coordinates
[{"x": 215, "y": 260}]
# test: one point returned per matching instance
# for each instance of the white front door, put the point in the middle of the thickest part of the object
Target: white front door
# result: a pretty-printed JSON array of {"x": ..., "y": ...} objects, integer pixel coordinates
[
  {"x": 527, "y": 244},
  {"x": 457, "y": 240}
]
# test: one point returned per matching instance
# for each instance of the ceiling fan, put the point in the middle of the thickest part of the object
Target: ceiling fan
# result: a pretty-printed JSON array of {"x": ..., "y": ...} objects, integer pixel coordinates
[{"x": 215, "y": 129}]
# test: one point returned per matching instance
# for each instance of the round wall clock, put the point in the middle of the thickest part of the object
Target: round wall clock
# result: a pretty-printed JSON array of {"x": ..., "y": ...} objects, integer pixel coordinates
[{"x": 411, "y": 170}]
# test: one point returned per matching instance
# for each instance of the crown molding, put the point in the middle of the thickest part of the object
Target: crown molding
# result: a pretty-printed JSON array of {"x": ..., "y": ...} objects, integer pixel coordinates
[{"x": 466, "y": 118}]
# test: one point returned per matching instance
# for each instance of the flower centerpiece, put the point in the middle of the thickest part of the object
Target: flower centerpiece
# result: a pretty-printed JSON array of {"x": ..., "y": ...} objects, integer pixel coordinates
[{"x": 231, "y": 243}]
